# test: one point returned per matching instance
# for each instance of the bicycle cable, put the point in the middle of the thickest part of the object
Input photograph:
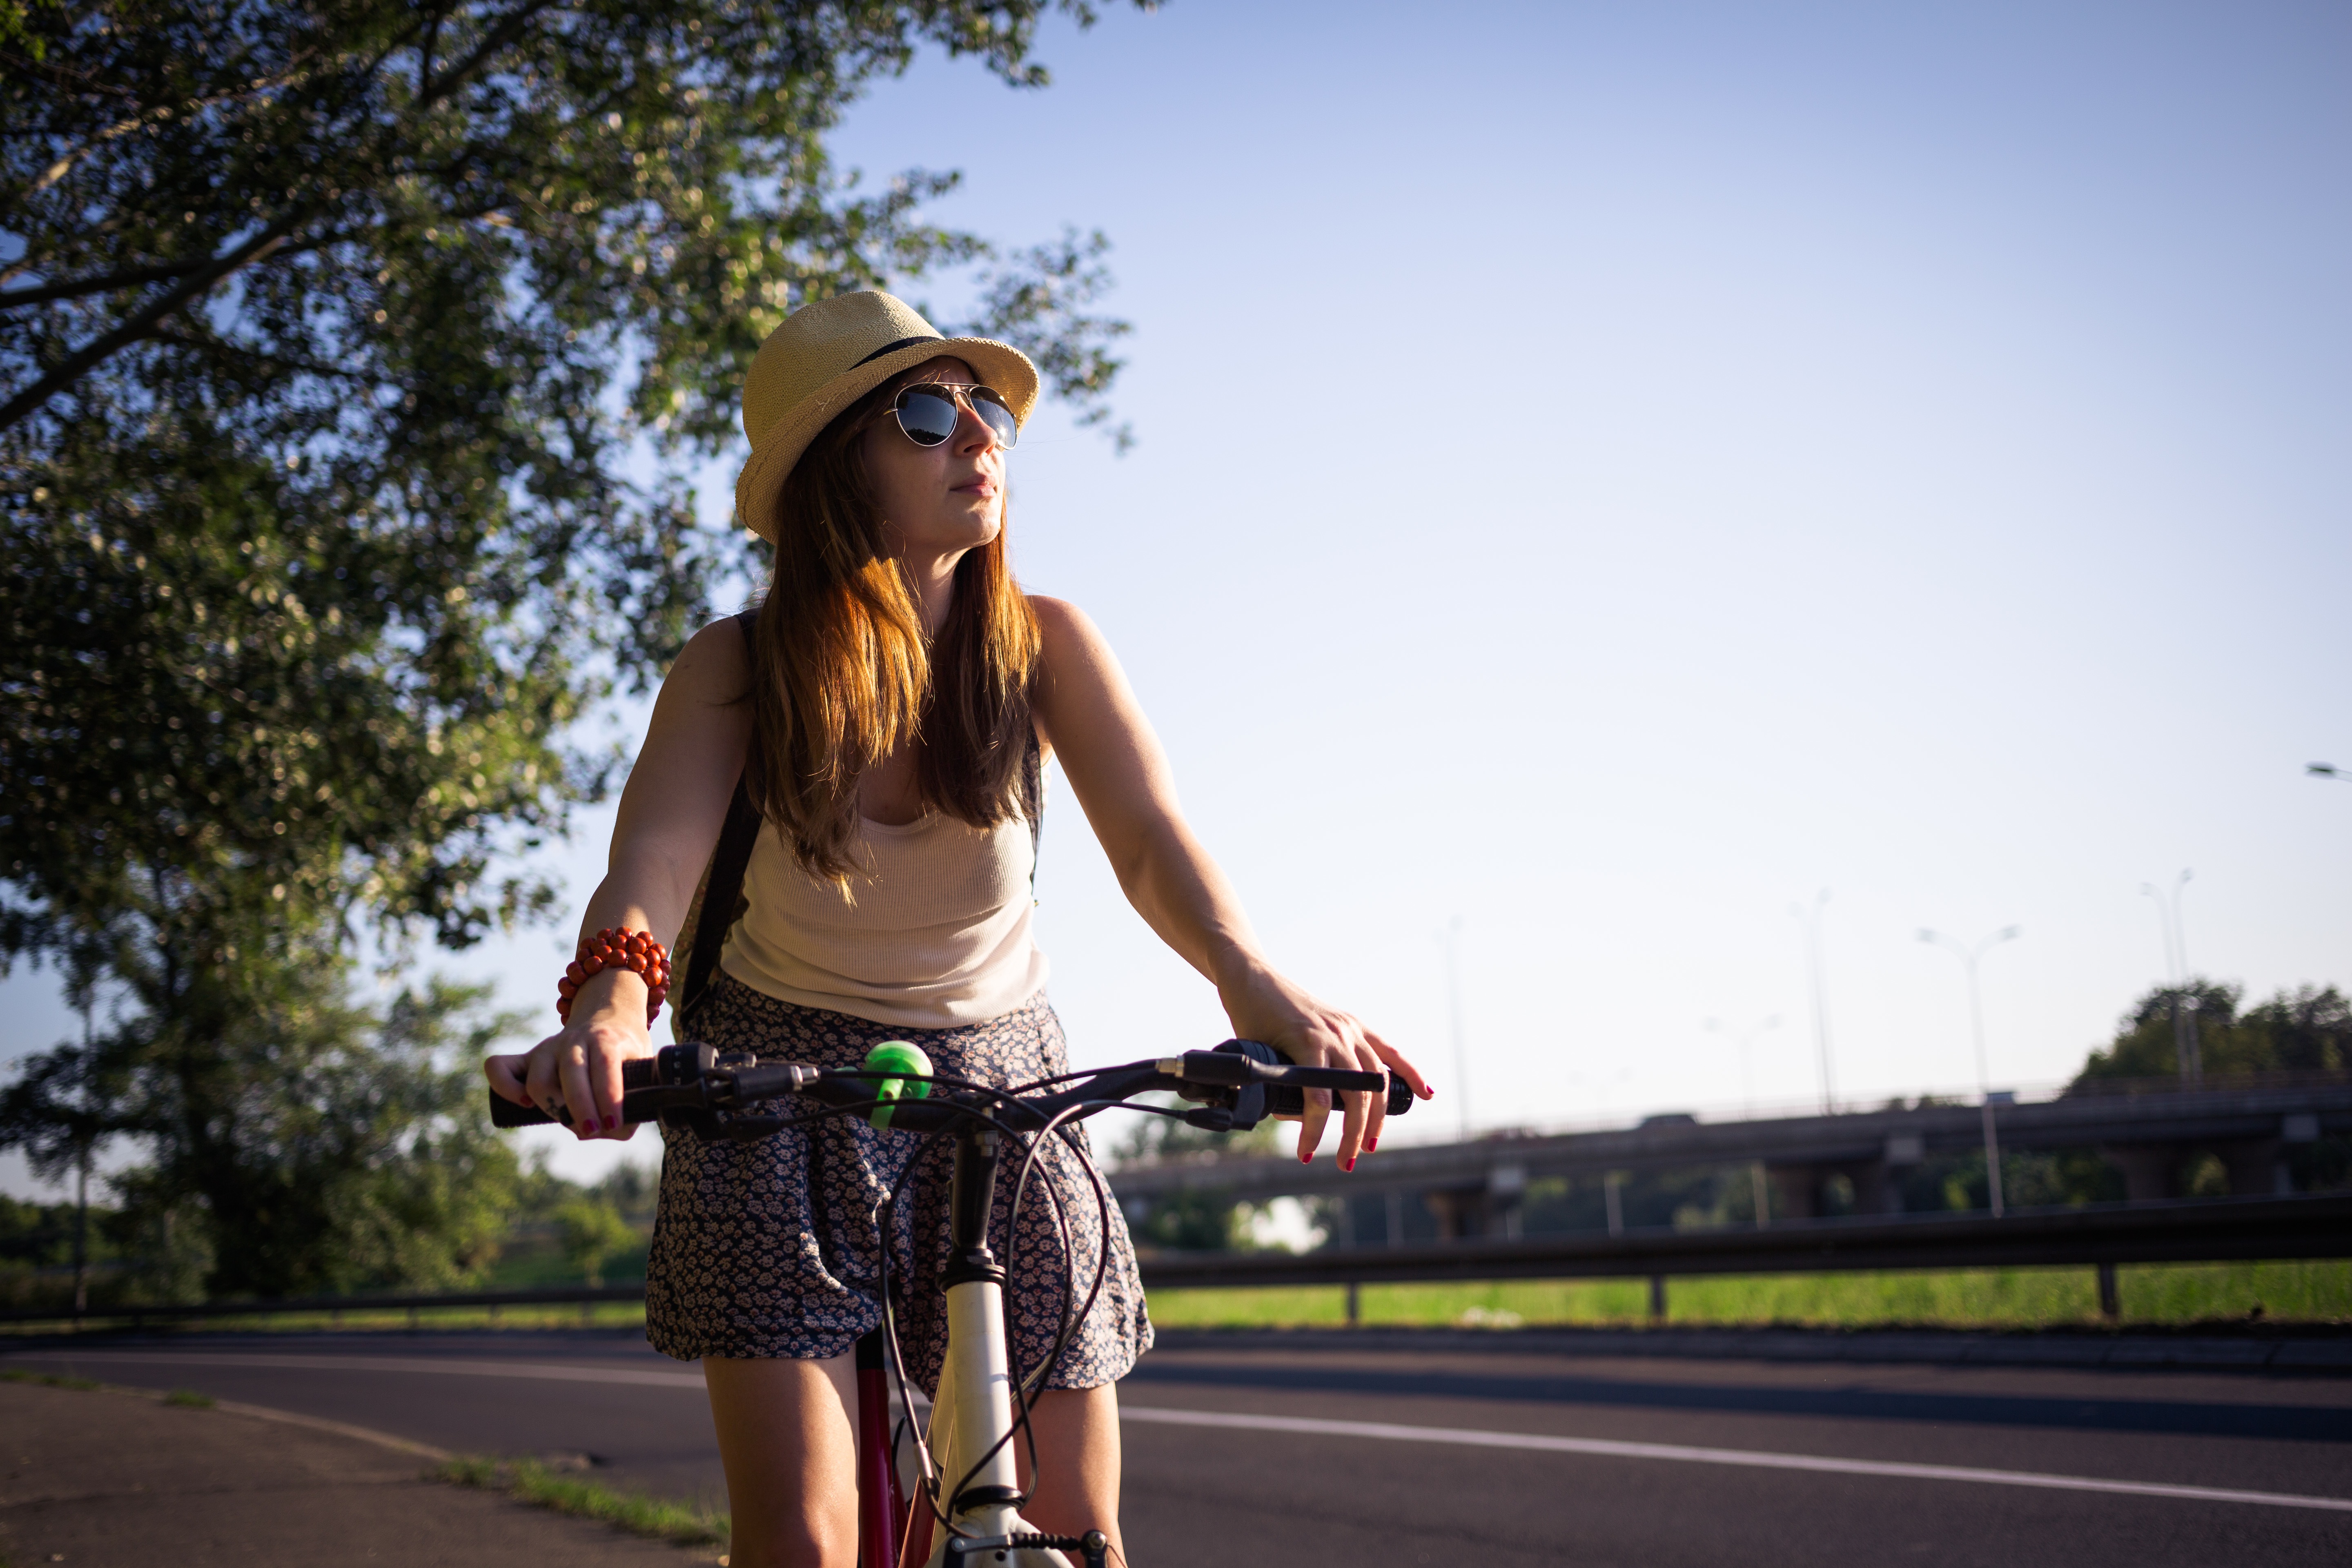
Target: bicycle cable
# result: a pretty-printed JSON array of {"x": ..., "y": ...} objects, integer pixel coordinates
[
  {"x": 885, "y": 1215},
  {"x": 1031, "y": 1147}
]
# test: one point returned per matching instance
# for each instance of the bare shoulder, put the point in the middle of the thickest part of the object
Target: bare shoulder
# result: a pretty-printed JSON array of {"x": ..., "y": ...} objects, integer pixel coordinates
[
  {"x": 713, "y": 666},
  {"x": 1069, "y": 634}
]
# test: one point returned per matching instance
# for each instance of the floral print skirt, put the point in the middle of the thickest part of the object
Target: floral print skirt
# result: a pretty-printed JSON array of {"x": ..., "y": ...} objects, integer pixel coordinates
[{"x": 771, "y": 1248}]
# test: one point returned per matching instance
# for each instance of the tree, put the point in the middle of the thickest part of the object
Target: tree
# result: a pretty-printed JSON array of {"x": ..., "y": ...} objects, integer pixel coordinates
[
  {"x": 1195, "y": 1219},
  {"x": 593, "y": 1229},
  {"x": 315, "y": 1146},
  {"x": 2307, "y": 1029},
  {"x": 354, "y": 354},
  {"x": 349, "y": 1142}
]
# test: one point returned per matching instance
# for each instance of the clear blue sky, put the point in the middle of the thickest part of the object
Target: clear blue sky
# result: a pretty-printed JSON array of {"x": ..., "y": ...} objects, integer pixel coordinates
[{"x": 1608, "y": 472}]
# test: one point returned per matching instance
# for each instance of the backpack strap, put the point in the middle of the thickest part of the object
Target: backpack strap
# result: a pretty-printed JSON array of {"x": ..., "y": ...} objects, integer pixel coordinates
[
  {"x": 719, "y": 903},
  {"x": 1033, "y": 795}
]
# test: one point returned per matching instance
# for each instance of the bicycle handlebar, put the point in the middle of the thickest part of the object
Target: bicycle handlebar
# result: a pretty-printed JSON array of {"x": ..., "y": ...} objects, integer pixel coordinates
[{"x": 721, "y": 1094}]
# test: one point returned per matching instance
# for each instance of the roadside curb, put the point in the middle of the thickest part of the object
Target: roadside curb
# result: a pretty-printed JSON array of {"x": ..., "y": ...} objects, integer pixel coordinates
[
  {"x": 2316, "y": 1353},
  {"x": 264, "y": 1413},
  {"x": 339, "y": 1428}
]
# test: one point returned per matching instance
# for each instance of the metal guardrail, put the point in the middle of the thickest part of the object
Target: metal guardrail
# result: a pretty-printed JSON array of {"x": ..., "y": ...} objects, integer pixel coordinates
[{"x": 2203, "y": 1230}]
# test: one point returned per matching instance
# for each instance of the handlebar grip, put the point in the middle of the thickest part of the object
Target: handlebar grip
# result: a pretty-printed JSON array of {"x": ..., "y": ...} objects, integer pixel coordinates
[
  {"x": 1400, "y": 1095},
  {"x": 1325, "y": 1077},
  {"x": 505, "y": 1113}
]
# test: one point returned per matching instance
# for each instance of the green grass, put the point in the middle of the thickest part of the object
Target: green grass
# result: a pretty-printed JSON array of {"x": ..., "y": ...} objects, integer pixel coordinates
[
  {"x": 2150, "y": 1295},
  {"x": 532, "y": 1482},
  {"x": 189, "y": 1399},
  {"x": 603, "y": 1315},
  {"x": 48, "y": 1379}
]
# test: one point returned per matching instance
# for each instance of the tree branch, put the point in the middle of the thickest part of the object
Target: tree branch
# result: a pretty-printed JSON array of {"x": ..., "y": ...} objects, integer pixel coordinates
[
  {"x": 222, "y": 345},
  {"x": 497, "y": 39},
  {"x": 42, "y": 293},
  {"x": 141, "y": 324}
]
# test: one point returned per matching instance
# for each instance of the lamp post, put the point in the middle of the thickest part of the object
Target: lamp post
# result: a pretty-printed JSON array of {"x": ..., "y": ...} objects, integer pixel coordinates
[
  {"x": 1746, "y": 1083},
  {"x": 1969, "y": 958},
  {"x": 1810, "y": 917},
  {"x": 2186, "y": 1049},
  {"x": 1452, "y": 938}
]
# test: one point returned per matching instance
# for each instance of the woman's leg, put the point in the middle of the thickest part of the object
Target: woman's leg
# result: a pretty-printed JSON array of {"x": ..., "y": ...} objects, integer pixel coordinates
[
  {"x": 1078, "y": 1460},
  {"x": 788, "y": 1439}
]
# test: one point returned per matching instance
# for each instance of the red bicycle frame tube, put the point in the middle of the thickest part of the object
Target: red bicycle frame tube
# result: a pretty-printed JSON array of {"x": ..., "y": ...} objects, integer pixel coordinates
[{"x": 879, "y": 1514}]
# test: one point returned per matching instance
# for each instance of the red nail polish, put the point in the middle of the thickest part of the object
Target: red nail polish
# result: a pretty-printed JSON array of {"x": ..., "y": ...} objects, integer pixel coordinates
[
  {"x": 1370, "y": 1144},
  {"x": 612, "y": 1124},
  {"x": 1348, "y": 1164},
  {"x": 1307, "y": 1159}
]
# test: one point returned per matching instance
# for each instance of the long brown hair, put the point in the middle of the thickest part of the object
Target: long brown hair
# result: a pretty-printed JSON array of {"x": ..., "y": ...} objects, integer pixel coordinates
[{"x": 843, "y": 674}]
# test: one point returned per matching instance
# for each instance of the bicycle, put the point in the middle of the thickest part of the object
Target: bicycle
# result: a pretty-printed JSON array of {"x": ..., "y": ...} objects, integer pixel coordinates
[{"x": 982, "y": 1403}]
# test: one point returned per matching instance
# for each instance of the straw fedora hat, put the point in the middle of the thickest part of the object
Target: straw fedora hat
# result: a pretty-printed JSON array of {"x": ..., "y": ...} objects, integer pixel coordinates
[{"x": 825, "y": 356}]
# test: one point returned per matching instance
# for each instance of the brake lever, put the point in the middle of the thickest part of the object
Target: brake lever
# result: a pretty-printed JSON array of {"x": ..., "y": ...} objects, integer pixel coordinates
[{"x": 1242, "y": 1077}]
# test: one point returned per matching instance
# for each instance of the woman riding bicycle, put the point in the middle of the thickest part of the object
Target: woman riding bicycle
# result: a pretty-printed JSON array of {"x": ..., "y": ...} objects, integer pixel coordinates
[{"x": 888, "y": 713}]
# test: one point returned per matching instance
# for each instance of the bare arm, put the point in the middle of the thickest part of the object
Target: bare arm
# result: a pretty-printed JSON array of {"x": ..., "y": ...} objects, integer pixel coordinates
[
  {"x": 671, "y": 811},
  {"x": 1089, "y": 715}
]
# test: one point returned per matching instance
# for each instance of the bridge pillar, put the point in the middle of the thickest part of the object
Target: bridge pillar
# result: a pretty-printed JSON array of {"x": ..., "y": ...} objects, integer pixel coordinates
[
  {"x": 2150, "y": 1170},
  {"x": 1507, "y": 1188},
  {"x": 1795, "y": 1191},
  {"x": 1872, "y": 1190},
  {"x": 1458, "y": 1211},
  {"x": 2256, "y": 1167}
]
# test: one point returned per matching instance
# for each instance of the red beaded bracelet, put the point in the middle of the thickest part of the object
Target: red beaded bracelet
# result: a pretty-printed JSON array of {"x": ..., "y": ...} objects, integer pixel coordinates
[{"x": 615, "y": 948}]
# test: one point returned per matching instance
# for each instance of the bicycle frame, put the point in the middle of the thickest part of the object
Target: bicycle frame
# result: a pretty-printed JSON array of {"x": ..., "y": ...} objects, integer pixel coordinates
[{"x": 972, "y": 1427}]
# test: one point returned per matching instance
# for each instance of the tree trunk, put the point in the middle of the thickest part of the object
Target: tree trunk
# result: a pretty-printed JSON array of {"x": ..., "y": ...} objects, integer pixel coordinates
[{"x": 81, "y": 1235}]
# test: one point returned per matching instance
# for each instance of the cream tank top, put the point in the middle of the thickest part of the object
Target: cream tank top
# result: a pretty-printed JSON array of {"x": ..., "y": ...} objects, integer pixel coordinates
[{"x": 937, "y": 937}]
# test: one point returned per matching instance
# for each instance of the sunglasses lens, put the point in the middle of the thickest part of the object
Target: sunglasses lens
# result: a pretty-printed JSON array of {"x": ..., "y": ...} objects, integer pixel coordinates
[
  {"x": 999, "y": 418},
  {"x": 927, "y": 417}
]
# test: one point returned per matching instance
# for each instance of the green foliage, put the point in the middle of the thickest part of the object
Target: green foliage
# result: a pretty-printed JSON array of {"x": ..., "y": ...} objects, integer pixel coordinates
[
  {"x": 2306, "y": 1029},
  {"x": 593, "y": 1229},
  {"x": 50, "y": 1380},
  {"x": 1200, "y": 1219},
  {"x": 17, "y": 31},
  {"x": 189, "y": 1399},
  {"x": 2151, "y": 1294},
  {"x": 353, "y": 355},
  {"x": 532, "y": 1482},
  {"x": 313, "y": 1146},
  {"x": 550, "y": 1211},
  {"x": 37, "y": 1235}
]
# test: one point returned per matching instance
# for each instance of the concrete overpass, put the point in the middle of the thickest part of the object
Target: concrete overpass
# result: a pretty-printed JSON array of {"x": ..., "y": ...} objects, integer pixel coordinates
[{"x": 1475, "y": 1189}]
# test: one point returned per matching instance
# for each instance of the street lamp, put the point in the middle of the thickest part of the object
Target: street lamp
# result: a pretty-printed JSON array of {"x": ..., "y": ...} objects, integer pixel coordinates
[
  {"x": 1746, "y": 1083},
  {"x": 1810, "y": 917},
  {"x": 2186, "y": 1049},
  {"x": 1968, "y": 957},
  {"x": 1452, "y": 937}
]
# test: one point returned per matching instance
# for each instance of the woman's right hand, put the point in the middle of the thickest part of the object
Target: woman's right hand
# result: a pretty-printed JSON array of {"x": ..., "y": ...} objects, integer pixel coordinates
[{"x": 578, "y": 1068}]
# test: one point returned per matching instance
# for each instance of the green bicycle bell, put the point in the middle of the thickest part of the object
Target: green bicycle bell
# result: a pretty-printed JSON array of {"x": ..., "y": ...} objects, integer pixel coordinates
[{"x": 897, "y": 1056}]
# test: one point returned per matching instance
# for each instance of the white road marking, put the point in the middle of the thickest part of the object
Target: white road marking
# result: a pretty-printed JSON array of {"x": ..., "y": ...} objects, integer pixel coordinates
[
  {"x": 385, "y": 1364},
  {"x": 1540, "y": 1443},
  {"x": 1382, "y": 1431},
  {"x": 340, "y": 1428}
]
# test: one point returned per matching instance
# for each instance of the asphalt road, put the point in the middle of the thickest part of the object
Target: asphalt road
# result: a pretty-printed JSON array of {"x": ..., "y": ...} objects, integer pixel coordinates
[{"x": 1351, "y": 1459}]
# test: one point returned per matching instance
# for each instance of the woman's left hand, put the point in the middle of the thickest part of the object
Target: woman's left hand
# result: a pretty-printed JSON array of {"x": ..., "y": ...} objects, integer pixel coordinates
[{"x": 1263, "y": 1007}]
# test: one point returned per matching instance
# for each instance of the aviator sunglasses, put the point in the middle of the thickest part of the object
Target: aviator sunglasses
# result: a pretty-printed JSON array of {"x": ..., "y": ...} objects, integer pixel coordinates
[{"x": 928, "y": 411}]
